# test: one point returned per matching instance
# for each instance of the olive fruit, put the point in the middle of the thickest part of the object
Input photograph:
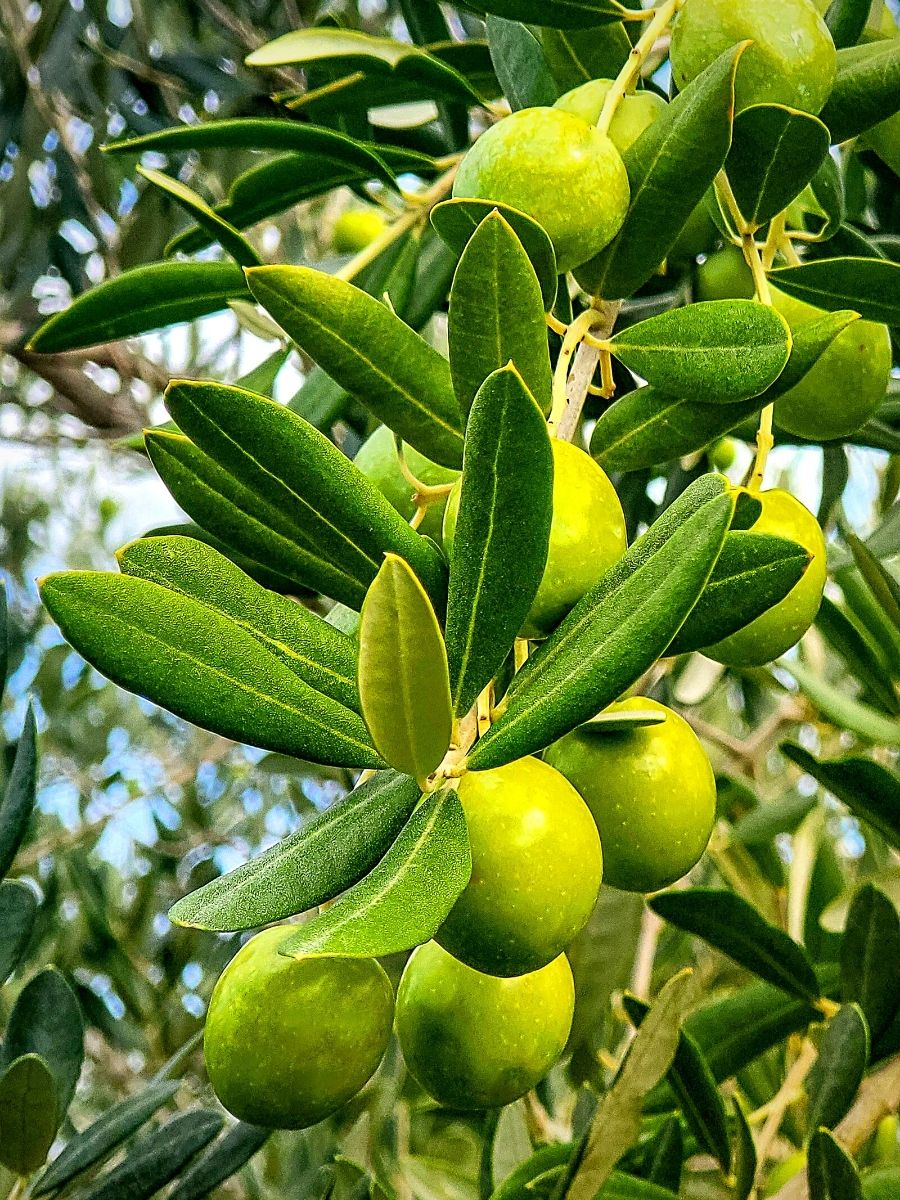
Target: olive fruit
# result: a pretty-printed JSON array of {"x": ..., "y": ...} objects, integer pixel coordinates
[
  {"x": 792, "y": 60},
  {"x": 783, "y": 1172},
  {"x": 536, "y": 869},
  {"x": 724, "y": 275},
  {"x": 587, "y": 535},
  {"x": 651, "y": 791},
  {"x": 476, "y": 1041},
  {"x": 883, "y": 1183},
  {"x": 356, "y": 229},
  {"x": 634, "y": 114},
  {"x": 379, "y": 461},
  {"x": 559, "y": 170},
  {"x": 847, "y": 384},
  {"x": 288, "y": 1041},
  {"x": 784, "y": 624}
]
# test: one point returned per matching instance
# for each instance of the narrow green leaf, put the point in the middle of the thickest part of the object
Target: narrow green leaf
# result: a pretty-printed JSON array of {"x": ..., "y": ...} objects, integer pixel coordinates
[
  {"x": 846, "y": 20},
  {"x": 853, "y": 715},
  {"x": 665, "y": 1156},
  {"x": 404, "y": 685},
  {"x": 670, "y": 167},
  {"x": 870, "y": 791},
  {"x": 19, "y": 797},
  {"x": 195, "y": 206},
  {"x": 558, "y": 14},
  {"x": 336, "y": 513},
  {"x": 837, "y": 1073},
  {"x": 860, "y": 655},
  {"x": 255, "y": 133},
  {"x": 156, "y": 1158},
  {"x": 831, "y": 1171},
  {"x": 865, "y": 90},
  {"x": 502, "y": 532},
  {"x": 223, "y": 1159},
  {"x": 321, "y": 859},
  {"x": 406, "y": 898},
  {"x": 616, "y": 631},
  {"x": 457, "y": 220},
  {"x": 695, "y": 1087},
  {"x": 616, "y": 722},
  {"x": 617, "y": 1123},
  {"x": 497, "y": 315},
  {"x": 718, "y": 351},
  {"x": 28, "y": 1114},
  {"x": 107, "y": 1133},
  {"x": 46, "y": 1020},
  {"x": 870, "y": 957},
  {"x": 881, "y": 583},
  {"x": 202, "y": 666},
  {"x": 774, "y": 154},
  {"x": 18, "y": 909},
  {"x": 753, "y": 573},
  {"x": 521, "y": 66},
  {"x": 870, "y": 286},
  {"x": 4, "y": 639},
  {"x": 731, "y": 925},
  {"x": 745, "y": 1158},
  {"x": 321, "y": 655},
  {"x": 139, "y": 301},
  {"x": 368, "y": 351}
]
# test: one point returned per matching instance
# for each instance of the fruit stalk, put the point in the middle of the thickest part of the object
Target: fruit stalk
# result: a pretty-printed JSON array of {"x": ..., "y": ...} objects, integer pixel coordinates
[{"x": 628, "y": 76}]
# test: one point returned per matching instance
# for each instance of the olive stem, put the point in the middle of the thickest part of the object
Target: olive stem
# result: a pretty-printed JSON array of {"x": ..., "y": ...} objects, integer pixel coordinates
[
  {"x": 573, "y": 337},
  {"x": 585, "y": 365},
  {"x": 18, "y": 1188},
  {"x": 773, "y": 241},
  {"x": 781, "y": 1102},
  {"x": 628, "y": 76}
]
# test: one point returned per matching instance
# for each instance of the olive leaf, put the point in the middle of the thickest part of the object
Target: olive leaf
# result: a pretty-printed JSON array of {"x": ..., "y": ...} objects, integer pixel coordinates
[
  {"x": 219, "y": 229},
  {"x": 617, "y": 720},
  {"x": 406, "y": 898},
  {"x": 29, "y": 1104},
  {"x": 202, "y": 666},
  {"x": 870, "y": 286},
  {"x": 576, "y": 56},
  {"x": 224, "y": 1158},
  {"x": 866, "y": 88},
  {"x": 857, "y": 717},
  {"x": 404, "y": 684},
  {"x": 140, "y": 300},
  {"x": 870, "y": 791},
  {"x": 19, "y": 797},
  {"x": 497, "y": 315},
  {"x": 558, "y": 14},
  {"x": 837, "y": 1073},
  {"x": 502, "y": 532},
  {"x": 870, "y": 956},
  {"x": 321, "y": 859},
  {"x": 616, "y": 630},
  {"x": 775, "y": 152},
  {"x": 520, "y": 63},
  {"x": 745, "y": 1156},
  {"x": 831, "y": 1171},
  {"x": 46, "y": 1020},
  {"x": 846, "y": 20},
  {"x": 370, "y": 352},
  {"x": 18, "y": 909},
  {"x": 716, "y": 352}
]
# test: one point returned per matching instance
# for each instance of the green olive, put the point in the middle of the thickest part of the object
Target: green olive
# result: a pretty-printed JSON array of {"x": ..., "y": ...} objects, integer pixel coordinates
[
  {"x": 536, "y": 869},
  {"x": 634, "y": 113},
  {"x": 771, "y": 634},
  {"x": 587, "y": 536},
  {"x": 881, "y": 1184},
  {"x": 378, "y": 460},
  {"x": 558, "y": 169},
  {"x": 845, "y": 386},
  {"x": 723, "y": 455},
  {"x": 783, "y": 1172},
  {"x": 792, "y": 60},
  {"x": 288, "y": 1041},
  {"x": 652, "y": 793},
  {"x": 356, "y": 229},
  {"x": 724, "y": 275},
  {"x": 476, "y": 1041}
]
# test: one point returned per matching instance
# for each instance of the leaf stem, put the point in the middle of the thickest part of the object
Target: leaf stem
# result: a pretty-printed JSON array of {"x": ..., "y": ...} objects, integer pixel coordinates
[{"x": 627, "y": 78}]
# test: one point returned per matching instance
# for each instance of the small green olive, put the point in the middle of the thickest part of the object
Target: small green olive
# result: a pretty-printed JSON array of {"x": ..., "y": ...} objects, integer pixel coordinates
[
  {"x": 724, "y": 275},
  {"x": 378, "y": 460},
  {"x": 356, "y": 229},
  {"x": 476, "y": 1041},
  {"x": 635, "y": 113}
]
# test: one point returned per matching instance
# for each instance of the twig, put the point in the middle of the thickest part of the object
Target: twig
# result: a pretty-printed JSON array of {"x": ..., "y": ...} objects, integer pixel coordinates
[{"x": 781, "y": 1102}]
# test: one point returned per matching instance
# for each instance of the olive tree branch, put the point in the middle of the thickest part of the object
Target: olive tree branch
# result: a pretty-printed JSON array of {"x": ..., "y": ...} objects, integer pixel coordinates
[{"x": 627, "y": 78}]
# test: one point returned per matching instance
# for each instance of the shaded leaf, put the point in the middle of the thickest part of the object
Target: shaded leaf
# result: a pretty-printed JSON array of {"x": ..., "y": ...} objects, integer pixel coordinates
[
  {"x": 745, "y": 1158},
  {"x": 831, "y": 1171},
  {"x": 846, "y": 19},
  {"x": 576, "y": 56},
  {"x": 837, "y": 1073},
  {"x": 866, "y": 88},
  {"x": 624, "y": 719},
  {"x": 775, "y": 152},
  {"x": 870, "y": 791},
  {"x": 559, "y": 14},
  {"x": 222, "y": 1160},
  {"x": 18, "y": 909},
  {"x": 46, "y": 1020},
  {"x": 502, "y": 532},
  {"x": 859, "y": 654},
  {"x": 870, "y": 957},
  {"x": 4, "y": 638},
  {"x": 28, "y": 1114},
  {"x": 219, "y": 229},
  {"x": 870, "y": 286},
  {"x": 731, "y": 925},
  {"x": 881, "y": 583},
  {"x": 19, "y": 797},
  {"x": 406, "y": 898},
  {"x": 665, "y": 1157},
  {"x": 519, "y": 61},
  {"x": 324, "y": 857}
]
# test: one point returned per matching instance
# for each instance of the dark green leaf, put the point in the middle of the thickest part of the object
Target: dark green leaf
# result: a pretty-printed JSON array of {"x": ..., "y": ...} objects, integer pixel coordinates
[
  {"x": 870, "y": 957},
  {"x": 846, "y": 19},
  {"x": 19, "y": 797},
  {"x": 775, "y": 152},
  {"x": 4, "y": 639},
  {"x": 28, "y": 1114},
  {"x": 321, "y": 655},
  {"x": 219, "y": 229},
  {"x": 623, "y": 719},
  {"x": 46, "y": 1020},
  {"x": 616, "y": 631},
  {"x": 881, "y": 583},
  {"x": 665, "y": 1156},
  {"x": 139, "y": 301},
  {"x": 831, "y": 1171},
  {"x": 745, "y": 1159},
  {"x": 201, "y": 666},
  {"x": 731, "y": 925},
  {"x": 406, "y": 898},
  {"x": 866, "y": 89},
  {"x": 222, "y": 1160},
  {"x": 837, "y": 1073},
  {"x": 370, "y": 352},
  {"x": 321, "y": 859},
  {"x": 870, "y": 791},
  {"x": 869, "y": 286},
  {"x": 670, "y": 167},
  {"x": 107, "y": 1133},
  {"x": 519, "y": 61},
  {"x": 718, "y": 351},
  {"x": 859, "y": 654},
  {"x": 502, "y": 532},
  {"x": 754, "y": 572},
  {"x": 497, "y": 315},
  {"x": 558, "y": 14},
  {"x": 18, "y": 908},
  {"x": 826, "y": 189},
  {"x": 577, "y": 56}
]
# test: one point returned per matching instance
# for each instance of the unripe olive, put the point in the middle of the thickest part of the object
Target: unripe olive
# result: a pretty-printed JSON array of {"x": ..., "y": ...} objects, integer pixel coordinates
[
  {"x": 635, "y": 112},
  {"x": 881, "y": 1184},
  {"x": 723, "y": 454},
  {"x": 378, "y": 460},
  {"x": 356, "y": 229},
  {"x": 792, "y": 60},
  {"x": 775, "y": 631},
  {"x": 288, "y": 1041},
  {"x": 476, "y": 1041},
  {"x": 783, "y": 1172},
  {"x": 652, "y": 793},
  {"x": 724, "y": 275},
  {"x": 536, "y": 869},
  {"x": 587, "y": 536},
  {"x": 558, "y": 169}
]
